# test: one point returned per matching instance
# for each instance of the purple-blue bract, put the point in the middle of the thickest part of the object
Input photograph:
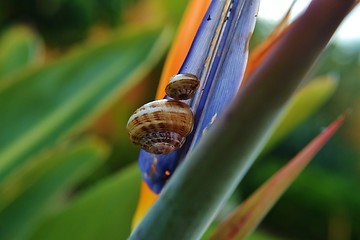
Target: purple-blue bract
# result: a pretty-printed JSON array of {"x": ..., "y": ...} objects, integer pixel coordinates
[
  {"x": 157, "y": 169},
  {"x": 220, "y": 80}
]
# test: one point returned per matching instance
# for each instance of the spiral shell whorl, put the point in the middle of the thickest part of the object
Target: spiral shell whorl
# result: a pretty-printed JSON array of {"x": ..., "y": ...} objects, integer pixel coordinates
[
  {"x": 182, "y": 86},
  {"x": 162, "y": 142},
  {"x": 160, "y": 127}
]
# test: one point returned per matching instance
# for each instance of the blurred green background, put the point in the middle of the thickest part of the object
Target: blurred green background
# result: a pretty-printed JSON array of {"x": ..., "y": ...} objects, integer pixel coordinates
[{"x": 72, "y": 72}]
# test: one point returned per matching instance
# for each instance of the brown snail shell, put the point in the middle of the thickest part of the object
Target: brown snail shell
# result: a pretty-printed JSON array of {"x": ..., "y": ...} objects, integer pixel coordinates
[
  {"x": 161, "y": 126},
  {"x": 182, "y": 86}
]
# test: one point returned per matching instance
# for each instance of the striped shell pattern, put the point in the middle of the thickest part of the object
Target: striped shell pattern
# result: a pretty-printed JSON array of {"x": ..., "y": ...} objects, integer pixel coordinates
[
  {"x": 161, "y": 126},
  {"x": 182, "y": 86}
]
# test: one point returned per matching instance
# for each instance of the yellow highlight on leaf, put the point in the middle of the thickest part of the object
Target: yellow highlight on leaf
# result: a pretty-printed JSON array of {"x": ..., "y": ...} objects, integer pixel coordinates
[{"x": 304, "y": 103}]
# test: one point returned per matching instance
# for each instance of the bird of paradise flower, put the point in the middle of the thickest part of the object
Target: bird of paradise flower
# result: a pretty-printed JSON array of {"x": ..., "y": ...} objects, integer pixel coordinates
[{"x": 218, "y": 55}]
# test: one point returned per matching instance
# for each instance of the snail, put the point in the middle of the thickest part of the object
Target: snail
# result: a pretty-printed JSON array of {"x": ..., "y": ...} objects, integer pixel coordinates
[
  {"x": 182, "y": 86},
  {"x": 161, "y": 126}
]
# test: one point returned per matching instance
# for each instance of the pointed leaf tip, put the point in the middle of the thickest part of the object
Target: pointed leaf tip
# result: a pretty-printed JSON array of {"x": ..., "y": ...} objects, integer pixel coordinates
[{"x": 248, "y": 215}]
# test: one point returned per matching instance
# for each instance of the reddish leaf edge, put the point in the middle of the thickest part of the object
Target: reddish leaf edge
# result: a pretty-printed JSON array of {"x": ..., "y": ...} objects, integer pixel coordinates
[{"x": 249, "y": 214}]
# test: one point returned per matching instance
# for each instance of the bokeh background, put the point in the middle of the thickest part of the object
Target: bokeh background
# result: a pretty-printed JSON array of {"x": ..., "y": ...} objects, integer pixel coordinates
[{"x": 323, "y": 203}]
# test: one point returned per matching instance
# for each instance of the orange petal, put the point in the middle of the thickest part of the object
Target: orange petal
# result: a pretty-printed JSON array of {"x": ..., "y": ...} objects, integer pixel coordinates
[
  {"x": 259, "y": 53},
  {"x": 185, "y": 35}
]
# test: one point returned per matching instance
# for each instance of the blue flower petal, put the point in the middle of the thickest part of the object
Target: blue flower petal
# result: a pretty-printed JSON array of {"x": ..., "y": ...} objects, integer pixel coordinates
[
  {"x": 218, "y": 56},
  {"x": 157, "y": 169}
]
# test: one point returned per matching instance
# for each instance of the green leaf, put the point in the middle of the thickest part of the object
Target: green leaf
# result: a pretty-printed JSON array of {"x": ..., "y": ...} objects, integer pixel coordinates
[
  {"x": 258, "y": 235},
  {"x": 104, "y": 212},
  {"x": 210, "y": 173},
  {"x": 304, "y": 103},
  {"x": 19, "y": 47},
  {"x": 248, "y": 215},
  {"x": 64, "y": 96},
  {"x": 32, "y": 188}
]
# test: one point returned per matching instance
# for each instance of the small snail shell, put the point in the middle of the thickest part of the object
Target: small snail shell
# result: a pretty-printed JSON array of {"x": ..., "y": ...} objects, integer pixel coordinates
[
  {"x": 160, "y": 127},
  {"x": 182, "y": 86}
]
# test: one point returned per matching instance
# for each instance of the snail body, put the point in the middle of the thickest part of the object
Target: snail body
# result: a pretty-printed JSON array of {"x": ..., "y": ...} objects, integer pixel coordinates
[
  {"x": 161, "y": 126},
  {"x": 182, "y": 86}
]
